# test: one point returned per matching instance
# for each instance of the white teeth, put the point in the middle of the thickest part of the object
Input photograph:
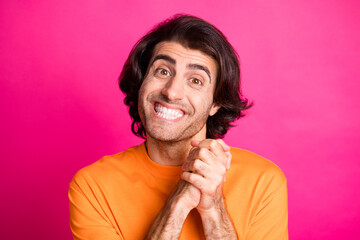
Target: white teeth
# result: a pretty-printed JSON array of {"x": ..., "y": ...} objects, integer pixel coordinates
[{"x": 167, "y": 113}]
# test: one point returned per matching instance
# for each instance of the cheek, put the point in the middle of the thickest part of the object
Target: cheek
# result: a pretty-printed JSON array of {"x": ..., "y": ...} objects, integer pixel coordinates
[
  {"x": 141, "y": 94},
  {"x": 150, "y": 85},
  {"x": 201, "y": 101},
  {"x": 144, "y": 89}
]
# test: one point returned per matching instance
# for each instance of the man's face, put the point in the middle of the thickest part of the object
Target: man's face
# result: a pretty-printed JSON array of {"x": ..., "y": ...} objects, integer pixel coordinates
[{"x": 176, "y": 96}]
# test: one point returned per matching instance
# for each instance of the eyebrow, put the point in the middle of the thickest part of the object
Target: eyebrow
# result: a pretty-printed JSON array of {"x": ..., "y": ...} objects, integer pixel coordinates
[
  {"x": 172, "y": 61},
  {"x": 200, "y": 67},
  {"x": 164, "y": 57}
]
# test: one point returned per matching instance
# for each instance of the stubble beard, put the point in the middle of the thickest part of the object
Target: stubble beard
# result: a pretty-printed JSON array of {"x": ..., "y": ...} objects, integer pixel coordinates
[{"x": 162, "y": 133}]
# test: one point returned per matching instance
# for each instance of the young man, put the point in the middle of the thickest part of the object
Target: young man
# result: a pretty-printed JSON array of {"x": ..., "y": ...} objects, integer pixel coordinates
[{"x": 182, "y": 86}]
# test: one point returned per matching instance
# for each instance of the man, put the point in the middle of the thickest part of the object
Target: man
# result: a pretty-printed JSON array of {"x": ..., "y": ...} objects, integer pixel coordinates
[{"x": 182, "y": 86}]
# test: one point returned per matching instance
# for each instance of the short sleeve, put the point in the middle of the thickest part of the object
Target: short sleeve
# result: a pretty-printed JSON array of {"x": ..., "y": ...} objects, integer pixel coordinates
[
  {"x": 88, "y": 221},
  {"x": 271, "y": 219}
]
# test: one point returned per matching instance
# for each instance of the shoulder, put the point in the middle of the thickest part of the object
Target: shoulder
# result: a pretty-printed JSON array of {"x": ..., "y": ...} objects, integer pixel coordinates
[
  {"x": 253, "y": 161},
  {"x": 254, "y": 168},
  {"x": 108, "y": 166}
]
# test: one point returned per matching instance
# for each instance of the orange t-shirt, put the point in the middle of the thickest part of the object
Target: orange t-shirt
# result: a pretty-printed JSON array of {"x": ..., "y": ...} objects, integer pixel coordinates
[{"x": 119, "y": 196}]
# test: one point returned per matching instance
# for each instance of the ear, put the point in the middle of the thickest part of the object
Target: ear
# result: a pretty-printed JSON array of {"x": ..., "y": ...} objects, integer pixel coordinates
[{"x": 214, "y": 109}]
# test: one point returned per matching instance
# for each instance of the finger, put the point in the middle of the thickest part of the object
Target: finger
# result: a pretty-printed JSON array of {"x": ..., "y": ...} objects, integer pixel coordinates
[
  {"x": 213, "y": 146},
  {"x": 193, "y": 154},
  {"x": 195, "y": 143},
  {"x": 195, "y": 179},
  {"x": 225, "y": 147},
  {"x": 205, "y": 186},
  {"x": 203, "y": 154},
  {"x": 227, "y": 152},
  {"x": 209, "y": 151},
  {"x": 199, "y": 167},
  {"x": 200, "y": 154},
  {"x": 207, "y": 143},
  {"x": 228, "y": 162}
]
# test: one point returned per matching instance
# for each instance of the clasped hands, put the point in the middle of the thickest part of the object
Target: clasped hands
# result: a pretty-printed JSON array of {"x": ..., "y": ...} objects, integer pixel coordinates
[{"x": 205, "y": 170}]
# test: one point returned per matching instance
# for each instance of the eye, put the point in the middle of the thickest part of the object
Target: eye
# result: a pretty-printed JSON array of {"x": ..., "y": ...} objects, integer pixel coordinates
[
  {"x": 195, "y": 81},
  {"x": 163, "y": 72}
]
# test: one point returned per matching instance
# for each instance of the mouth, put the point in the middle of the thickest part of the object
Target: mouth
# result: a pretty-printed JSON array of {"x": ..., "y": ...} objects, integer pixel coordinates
[{"x": 167, "y": 113}]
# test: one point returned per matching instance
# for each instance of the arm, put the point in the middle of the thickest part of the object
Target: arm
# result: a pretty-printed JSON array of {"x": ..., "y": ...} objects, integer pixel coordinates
[
  {"x": 217, "y": 224},
  {"x": 206, "y": 170},
  {"x": 170, "y": 220}
]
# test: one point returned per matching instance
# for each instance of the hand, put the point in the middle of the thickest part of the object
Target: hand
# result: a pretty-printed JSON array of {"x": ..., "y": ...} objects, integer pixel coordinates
[
  {"x": 186, "y": 194},
  {"x": 205, "y": 169},
  {"x": 170, "y": 220}
]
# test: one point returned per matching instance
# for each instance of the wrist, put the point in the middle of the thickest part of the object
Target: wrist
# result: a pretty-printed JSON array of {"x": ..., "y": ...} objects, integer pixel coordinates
[
  {"x": 178, "y": 207},
  {"x": 169, "y": 222},
  {"x": 215, "y": 214},
  {"x": 214, "y": 208},
  {"x": 217, "y": 223},
  {"x": 212, "y": 214},
  {"x": 185, "y": 197}
]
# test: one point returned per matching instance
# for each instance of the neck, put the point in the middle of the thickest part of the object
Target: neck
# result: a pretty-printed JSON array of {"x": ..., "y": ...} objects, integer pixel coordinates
[{"x": 171, "y": 153}]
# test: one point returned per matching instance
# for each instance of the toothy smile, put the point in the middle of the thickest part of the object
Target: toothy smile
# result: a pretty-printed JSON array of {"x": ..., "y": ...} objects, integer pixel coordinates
[{"x": 167, "y": 113}]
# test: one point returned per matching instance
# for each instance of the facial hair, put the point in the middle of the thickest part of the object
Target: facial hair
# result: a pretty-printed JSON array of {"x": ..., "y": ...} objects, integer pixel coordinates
[{"x": 193, "y": 124}]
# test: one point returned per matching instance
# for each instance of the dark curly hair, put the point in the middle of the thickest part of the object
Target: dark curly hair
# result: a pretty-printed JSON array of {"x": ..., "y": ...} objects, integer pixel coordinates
[{"x": 193, "y": 33}]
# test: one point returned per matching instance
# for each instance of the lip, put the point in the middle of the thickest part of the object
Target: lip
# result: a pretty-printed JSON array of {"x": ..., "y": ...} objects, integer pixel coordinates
[{"x": 168, "y": 107}]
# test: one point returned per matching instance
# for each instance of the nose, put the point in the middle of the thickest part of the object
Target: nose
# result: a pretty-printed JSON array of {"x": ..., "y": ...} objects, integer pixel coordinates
[{"x": 174, "y": 89}]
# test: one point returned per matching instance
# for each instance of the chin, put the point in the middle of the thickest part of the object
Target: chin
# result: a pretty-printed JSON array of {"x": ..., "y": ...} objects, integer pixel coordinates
[
  {"x": 166, "y": 135},
  {"x": 163, "y": 138}
]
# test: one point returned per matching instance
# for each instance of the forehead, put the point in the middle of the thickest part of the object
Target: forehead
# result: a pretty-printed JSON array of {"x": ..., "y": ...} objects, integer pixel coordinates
[{"x": 185, "y": 55}]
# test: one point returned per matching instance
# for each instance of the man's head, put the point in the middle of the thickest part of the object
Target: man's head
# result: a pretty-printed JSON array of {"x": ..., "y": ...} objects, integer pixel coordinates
[{"x": 193, "y": 34}]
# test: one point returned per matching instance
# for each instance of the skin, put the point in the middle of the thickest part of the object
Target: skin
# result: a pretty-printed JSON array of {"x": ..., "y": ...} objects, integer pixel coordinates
[{"x": 184, "y": 80}]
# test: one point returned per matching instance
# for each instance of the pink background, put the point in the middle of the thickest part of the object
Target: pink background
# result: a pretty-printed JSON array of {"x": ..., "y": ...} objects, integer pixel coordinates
[{"x": 61, "y": 108}]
